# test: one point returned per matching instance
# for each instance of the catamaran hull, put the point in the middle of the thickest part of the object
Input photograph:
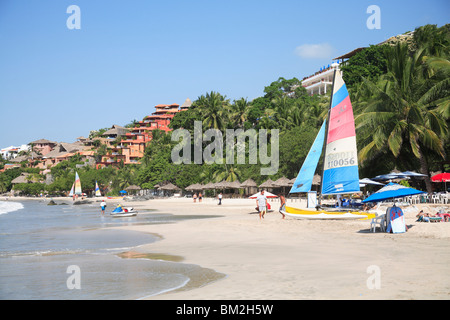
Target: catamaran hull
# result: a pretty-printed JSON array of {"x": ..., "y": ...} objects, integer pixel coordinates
[{"x": 326, "y": 215}]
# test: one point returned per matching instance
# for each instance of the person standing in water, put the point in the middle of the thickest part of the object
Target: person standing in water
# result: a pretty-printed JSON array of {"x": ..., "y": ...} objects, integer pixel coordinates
[{"x": 103, "y": 206}]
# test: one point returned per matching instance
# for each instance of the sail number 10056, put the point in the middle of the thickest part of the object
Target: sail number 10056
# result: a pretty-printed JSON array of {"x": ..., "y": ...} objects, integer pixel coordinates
[{"x": 341, "y": 159}]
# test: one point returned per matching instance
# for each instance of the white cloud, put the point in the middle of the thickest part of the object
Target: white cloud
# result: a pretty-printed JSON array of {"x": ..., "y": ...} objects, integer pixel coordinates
[{"x": 315, "y": 51}]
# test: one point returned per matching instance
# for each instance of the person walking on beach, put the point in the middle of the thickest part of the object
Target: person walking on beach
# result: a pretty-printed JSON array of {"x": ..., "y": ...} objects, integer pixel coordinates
[
  {"x": 195, "y": 197},
  {"x": 103, "y": 206},
  {"x": 220, "y": 198},
  {"x": 199, "y": 197},
  {"x": 261, "y": 202},
  {"x": 282, "y": 205}
]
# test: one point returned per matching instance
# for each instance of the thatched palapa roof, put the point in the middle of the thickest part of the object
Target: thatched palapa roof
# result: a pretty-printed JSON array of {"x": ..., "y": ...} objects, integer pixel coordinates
[
  {"x": 248, "y": 183},
  {"x": 283, "y": 182},
  {"x": 116, "y": 131},
  {"x": 170, "y": 187},
  {"x": 195, "y": 186},
  {"x": 133, "y": 187},
  {"x": 268, "y": 184}
]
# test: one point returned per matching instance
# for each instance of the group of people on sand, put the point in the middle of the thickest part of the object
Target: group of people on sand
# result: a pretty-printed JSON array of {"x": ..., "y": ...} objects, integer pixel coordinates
[
  {"x": 425, "y": 217},
  {"x": 197, "y": 196},
  {"x": 262, "y": 205}
]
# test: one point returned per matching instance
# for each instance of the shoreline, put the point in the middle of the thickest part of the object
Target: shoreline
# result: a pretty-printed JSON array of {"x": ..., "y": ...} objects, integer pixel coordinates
[
  {"x": 293, "y": 259},
  {"x": 196, "y": 274}
]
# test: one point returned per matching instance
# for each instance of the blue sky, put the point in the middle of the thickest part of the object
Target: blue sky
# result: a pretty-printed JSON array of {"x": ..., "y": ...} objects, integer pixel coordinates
[{"x": 128, "y": 56}]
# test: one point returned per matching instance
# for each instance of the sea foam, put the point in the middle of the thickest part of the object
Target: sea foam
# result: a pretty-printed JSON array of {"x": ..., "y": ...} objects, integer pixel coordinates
[{"x": 9, "y": 206}]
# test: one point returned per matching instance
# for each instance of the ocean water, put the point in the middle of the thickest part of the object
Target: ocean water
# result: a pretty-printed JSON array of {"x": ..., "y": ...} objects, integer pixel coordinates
[{"x": 66, "y": 252}]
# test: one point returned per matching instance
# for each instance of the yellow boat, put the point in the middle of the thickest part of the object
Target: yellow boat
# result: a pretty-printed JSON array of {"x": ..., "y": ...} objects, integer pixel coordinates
[{"x": 328, "y": 215}]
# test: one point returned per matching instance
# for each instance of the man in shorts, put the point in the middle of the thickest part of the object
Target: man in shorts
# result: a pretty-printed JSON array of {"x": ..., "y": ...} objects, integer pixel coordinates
[
  {"x": 261, "y": 202},
  {"x": 282, "y": 205}
]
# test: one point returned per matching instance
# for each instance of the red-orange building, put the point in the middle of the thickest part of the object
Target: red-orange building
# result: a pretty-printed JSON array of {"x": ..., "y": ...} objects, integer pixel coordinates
[{"x": 132, "y": 146}]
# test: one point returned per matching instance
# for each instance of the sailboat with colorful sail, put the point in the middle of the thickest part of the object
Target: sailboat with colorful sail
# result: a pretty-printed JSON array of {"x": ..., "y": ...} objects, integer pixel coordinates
[
  {"x": 97, "y": 190},
  {"x": 78, "y": 190},
  {"x": 72, "y": 190},
  {"x": 337, "y": 140}
]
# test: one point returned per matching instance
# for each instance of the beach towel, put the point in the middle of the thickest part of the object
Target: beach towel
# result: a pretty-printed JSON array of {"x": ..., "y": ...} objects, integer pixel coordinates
[{"x": 396, "y": 222}]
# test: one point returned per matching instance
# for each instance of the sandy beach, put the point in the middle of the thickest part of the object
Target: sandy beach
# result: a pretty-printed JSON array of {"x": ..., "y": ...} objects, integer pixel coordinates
[{"x": 275, "y": 259}]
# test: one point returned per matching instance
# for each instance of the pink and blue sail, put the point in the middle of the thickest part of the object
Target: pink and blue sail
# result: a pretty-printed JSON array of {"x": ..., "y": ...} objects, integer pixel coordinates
[{"x": 340, "y": 174}]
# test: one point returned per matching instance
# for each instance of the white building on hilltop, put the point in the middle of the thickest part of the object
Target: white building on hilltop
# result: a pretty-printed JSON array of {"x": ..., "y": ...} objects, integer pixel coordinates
[
  {"x": 12, "y": 152},
  {"x": 321, "y": 81}
]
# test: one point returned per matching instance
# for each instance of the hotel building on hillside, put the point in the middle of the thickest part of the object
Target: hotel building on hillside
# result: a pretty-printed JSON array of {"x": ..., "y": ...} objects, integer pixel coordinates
[
  {"x": 322, "y": 81},
  {"x": 130, "y": 149}
]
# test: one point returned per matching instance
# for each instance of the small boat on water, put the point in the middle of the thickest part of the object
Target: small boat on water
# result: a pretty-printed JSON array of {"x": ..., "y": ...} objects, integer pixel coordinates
[
  {"x": 76, "y": 192},
  {"x": 123, "y": 212}
]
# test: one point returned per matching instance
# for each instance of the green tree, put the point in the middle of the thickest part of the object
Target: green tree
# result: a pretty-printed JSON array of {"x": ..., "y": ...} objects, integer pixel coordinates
[
  {"x": 369, "y": 63},
  {"x": 402, "y": 110},
  {"x": 213, "y": 108}
]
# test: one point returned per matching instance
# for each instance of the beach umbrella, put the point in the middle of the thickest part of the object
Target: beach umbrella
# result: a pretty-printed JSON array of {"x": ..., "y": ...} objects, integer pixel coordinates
[
  {"x": 391, "y": 176},
  {"x": 441, "y": 177},
  {"x": 412, "y": 174},
  {"x": 266, "y": 193},
  {"x": 391, "y": 191},
  {"x": 363, "y": 182}
]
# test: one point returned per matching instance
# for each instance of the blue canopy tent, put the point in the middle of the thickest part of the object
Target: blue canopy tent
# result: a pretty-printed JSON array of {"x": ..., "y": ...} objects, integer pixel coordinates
[
  {"x": 391, "y": 191},
  {"x": 123, "y": 191}
]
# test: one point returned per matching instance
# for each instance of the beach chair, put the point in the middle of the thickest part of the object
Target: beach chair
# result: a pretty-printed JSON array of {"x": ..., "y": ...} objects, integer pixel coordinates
[
  {"x": 435, "y": 198},
  {"x": 379, "y": 221}
]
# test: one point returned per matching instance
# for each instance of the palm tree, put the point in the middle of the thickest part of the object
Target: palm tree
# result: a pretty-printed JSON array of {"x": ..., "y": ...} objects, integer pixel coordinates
[
  {"x": 239, "y": 110},
  {"x": 402, "y": 113},
  {"x": 212, "y": 108},
  {"x": 226, "y": 172}
]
